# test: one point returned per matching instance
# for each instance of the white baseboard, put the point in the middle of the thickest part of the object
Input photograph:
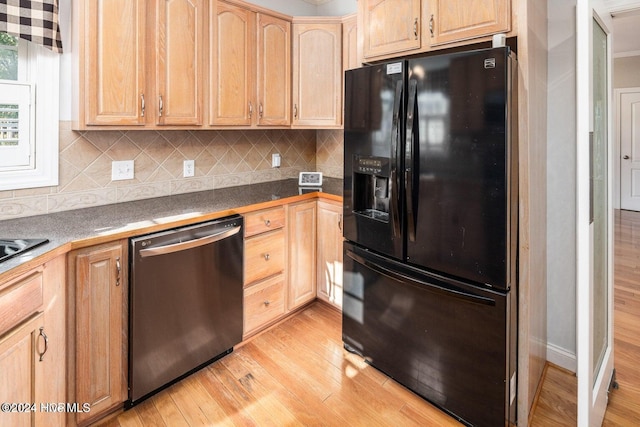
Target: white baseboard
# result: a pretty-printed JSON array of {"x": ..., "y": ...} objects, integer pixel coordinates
[{"x": 561, "y": 357}]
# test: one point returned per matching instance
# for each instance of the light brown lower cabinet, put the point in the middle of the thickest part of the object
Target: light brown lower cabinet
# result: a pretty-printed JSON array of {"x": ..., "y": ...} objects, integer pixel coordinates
[
  {"x": 32, "y": 352},
  {"x": 329, "y": 257},
  {"x": 265, "y": 280},
  {"x": 97, "y": 329},
  {"x": 302, "y": 253}
]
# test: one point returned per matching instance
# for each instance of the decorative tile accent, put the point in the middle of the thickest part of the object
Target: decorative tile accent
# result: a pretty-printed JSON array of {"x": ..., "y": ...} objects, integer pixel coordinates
[{"x": 223, "y": 158}]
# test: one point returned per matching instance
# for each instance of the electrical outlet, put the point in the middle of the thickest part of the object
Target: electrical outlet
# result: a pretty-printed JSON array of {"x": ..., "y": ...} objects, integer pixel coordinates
[
  {"x": 188, "y": 168},
  {"x": 275, "y": 160},
  {"x": 121, "y": 170}
]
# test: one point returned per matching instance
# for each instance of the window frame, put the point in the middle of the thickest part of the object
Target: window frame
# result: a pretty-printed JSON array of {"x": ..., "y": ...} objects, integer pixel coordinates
[{"x": 41, "y": 68}]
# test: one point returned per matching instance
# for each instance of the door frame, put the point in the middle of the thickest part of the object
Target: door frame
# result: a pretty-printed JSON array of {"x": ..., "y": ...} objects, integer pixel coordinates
[
  {"x": 617, "y": 149},
  {"x": 592, "y": 389}
]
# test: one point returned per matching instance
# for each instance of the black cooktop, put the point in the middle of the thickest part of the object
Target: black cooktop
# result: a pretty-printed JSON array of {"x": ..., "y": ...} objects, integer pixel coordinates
[{"x": 12, "y": 247}]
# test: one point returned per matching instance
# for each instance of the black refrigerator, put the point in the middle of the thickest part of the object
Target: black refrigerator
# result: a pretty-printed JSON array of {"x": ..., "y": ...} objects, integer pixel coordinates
[{"x": 430, "y": 227}]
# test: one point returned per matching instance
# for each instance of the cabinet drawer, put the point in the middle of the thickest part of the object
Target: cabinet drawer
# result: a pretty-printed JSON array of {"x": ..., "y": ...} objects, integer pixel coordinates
[
  {"x": 263, "y": 256},
  {"x": 19, "y": 300},
  {"x": 263, "y": 302},
  {"x": 264, "y": 220}
]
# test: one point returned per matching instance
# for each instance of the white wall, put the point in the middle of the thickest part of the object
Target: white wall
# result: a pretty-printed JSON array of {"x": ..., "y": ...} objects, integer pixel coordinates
[
  {"x": 338, "y": 8},
  {"x": 302, "y": 8},
  {"x": 561, "y": 185},
  {"x": 626, "y": 72}
]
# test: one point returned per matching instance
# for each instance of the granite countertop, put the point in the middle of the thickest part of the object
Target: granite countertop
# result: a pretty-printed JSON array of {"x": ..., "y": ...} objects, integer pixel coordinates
[{"x": 139, "y": 217}]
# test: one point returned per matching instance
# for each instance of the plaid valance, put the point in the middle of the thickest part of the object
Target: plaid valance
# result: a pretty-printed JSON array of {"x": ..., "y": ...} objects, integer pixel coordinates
[{"x": 36, "y": 21}]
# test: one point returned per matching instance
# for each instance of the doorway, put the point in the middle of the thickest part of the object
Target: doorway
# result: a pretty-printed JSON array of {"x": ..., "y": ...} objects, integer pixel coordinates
[{"x": 626, "y": 121}]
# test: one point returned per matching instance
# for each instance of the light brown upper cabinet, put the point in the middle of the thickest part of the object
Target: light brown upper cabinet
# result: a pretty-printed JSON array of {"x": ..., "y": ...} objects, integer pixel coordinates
[
  {"x": 232, "y": 31},
  {"x": 456, "y": 20},
  {"x": 390, "y": 26},
  {"x": 274, "y": 71},
  {"x": 179, "y": 61},
  {"x": 317, "y": 73},
  {"x": 110, "y": 88},
  {"x": 250, "y": 69},
  {"x": 140, "y": 63},
  {"x": 350, "y": 43}
]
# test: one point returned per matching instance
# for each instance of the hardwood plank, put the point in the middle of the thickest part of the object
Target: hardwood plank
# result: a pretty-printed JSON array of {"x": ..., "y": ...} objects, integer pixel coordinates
[{"x": 557, "y": 403}]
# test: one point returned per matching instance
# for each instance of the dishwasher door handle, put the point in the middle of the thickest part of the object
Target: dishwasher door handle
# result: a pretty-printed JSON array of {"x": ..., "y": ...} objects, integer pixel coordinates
[{"x": 176, "y": 247}]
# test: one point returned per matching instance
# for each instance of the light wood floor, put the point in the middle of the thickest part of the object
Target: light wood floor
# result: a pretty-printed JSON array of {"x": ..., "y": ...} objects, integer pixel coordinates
[
  {"x": 557, "y": 401},
  {"x": 299, "y": 374},
  {"x": 294, "y": 374}
]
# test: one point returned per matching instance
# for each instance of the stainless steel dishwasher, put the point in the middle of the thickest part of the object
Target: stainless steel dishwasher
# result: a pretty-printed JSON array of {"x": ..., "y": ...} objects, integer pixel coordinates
[{"x": 185, "y": 307}]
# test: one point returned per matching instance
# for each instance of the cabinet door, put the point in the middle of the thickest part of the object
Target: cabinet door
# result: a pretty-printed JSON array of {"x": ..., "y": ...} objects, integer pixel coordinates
[
  {"x": 454, "y": 20},
  {"x": 302, "y": 254},
  {"x": 20, "y": 366},
  {"x": 329, "y": 262},
  {"x": 51, "y": 379},
  {"x": 317, "y": 76},
  {"x": 232, "y": 32},
  {"x": 274, "y": 71},
  {"x": 100, "y": 369},
  {"x": 179, "y": 61},
  {"x": 350, "y": 56},
  {"x": 391, "y": 26},
  {"x": 113, "y": 50}
]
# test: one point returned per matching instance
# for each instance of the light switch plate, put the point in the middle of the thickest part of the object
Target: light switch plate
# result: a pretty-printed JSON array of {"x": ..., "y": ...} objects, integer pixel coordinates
[{"x": 121, "y": 170}]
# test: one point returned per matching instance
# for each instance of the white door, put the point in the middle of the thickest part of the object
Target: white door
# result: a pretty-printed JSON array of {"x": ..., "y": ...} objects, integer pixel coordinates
[
  {"x": 594, "y": 212},
  {"x": 629, "y": 131}
]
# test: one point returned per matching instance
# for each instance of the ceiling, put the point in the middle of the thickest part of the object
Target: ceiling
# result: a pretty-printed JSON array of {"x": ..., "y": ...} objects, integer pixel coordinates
[{"x": 626, "y": 26}]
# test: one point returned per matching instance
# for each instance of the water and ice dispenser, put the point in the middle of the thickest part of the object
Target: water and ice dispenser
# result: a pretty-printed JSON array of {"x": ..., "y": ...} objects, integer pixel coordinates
[{"x": 371, "y": 186}]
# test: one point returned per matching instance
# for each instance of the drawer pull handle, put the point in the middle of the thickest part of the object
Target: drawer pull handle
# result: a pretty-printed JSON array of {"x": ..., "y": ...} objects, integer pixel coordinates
[
  {"x": 46, "y": 343},
  {"x": 266, "y": 303},
  {"x": 267, "y": 257},
  {"x": 267, "y": 222}
]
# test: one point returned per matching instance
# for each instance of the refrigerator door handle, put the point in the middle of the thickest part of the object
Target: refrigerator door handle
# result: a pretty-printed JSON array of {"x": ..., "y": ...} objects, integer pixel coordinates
[
  {"x": 405, "y": 278},
  {"x": 395, "y": 145},
  {"x": 409, "y": 153}
]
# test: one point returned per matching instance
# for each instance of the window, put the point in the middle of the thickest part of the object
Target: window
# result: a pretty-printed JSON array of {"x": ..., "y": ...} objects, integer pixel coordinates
[{"x": 29, "y": 86}]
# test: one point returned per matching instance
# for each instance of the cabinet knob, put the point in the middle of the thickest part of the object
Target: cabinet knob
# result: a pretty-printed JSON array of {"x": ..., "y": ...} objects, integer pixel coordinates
[
  {"x": 415, "y": 28},
  {"x": 295, "y": 111},
  {"x": 160, "y": 106},
  {"x": 142, "y": 105},
  {"x": 626, "y": 157},
  {"x": 250, "y": 109},
  {"x": 266, "y": 303},
  {"x": 267, "y": 222},
  {"x": 267, "y": 257}
]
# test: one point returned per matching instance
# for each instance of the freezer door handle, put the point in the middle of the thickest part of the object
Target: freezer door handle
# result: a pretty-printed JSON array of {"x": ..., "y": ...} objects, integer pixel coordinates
[
  {"x": 189, "y": 244},
  {"x": 394, "y": 183},
  {"x": 405, "y": 278},
  {"x": 409, "y": 154}
]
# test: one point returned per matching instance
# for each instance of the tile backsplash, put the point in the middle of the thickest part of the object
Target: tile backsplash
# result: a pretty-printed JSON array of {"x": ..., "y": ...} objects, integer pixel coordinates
[{"x": 222, "y": 159}]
